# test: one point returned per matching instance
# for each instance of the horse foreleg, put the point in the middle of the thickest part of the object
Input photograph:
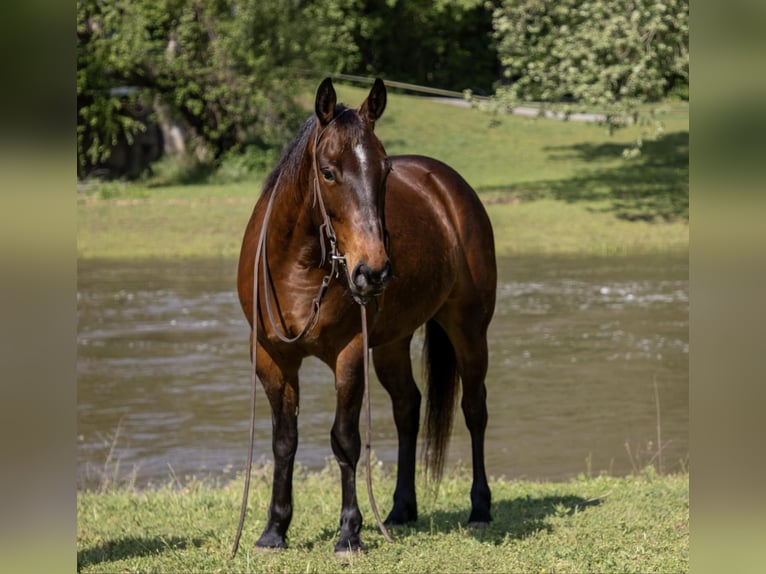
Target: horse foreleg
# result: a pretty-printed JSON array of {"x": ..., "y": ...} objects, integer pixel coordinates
[
  {"x": 346, "y": 442},
  {"x": 394, "y": 369},
  {"x": 281, "y": 388}
]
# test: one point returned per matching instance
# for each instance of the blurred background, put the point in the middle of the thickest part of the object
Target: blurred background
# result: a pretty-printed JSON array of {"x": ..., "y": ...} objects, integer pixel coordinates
[{"x": 218, "y": 81}]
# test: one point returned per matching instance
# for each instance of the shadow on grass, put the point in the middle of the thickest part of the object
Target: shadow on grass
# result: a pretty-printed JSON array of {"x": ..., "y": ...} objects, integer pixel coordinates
[
  {"x": 512, "y": 519},
  {"x": 131, "y": 547},
  {"x": 515, "y": 519},
  {"x": 651, "y": 187}
]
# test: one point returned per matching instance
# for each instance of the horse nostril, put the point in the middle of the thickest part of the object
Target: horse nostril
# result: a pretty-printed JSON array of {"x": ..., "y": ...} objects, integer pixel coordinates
[
  {"x": 361, "y": 276},
  {"x": 385, "y": 274},
  {"x": 365, "y": 277}
]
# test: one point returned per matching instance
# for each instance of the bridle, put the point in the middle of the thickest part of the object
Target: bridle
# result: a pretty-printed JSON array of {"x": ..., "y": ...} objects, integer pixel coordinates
[
  {"x": 337, "y": 264},
  {"x": 326, "y": 235}
]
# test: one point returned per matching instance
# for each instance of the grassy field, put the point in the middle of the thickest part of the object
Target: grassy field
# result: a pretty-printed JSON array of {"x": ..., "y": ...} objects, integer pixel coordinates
[
  {"x": 549, "y": 186},
  {"x": 599, "y": 524}
]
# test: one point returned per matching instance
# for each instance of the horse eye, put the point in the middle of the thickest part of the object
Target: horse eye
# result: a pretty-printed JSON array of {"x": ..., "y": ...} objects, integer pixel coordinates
[{"x": 327, "y": 174}]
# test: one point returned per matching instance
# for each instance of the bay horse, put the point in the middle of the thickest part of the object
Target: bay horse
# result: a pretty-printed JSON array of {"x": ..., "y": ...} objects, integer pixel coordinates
[{"x": 339, "y": 223}]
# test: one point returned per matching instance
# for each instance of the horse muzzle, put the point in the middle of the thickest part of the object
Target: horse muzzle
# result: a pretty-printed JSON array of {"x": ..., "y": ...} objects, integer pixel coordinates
[{"x": 367, "y": 283}]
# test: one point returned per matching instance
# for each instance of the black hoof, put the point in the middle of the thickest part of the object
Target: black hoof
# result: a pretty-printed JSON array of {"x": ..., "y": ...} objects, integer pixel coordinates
[
  {"x": 401, "y": 516},
  {"x": 270, "y": 541},
  {"x": 479, "y": 519},
  {"x": 350, "y": 547},
  {"x": 478, "y": 525}
]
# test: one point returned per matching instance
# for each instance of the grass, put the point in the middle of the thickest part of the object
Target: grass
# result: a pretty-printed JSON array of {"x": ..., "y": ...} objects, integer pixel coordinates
[
  {"x": 550, "y": 186},
  {"x": 638, "y": 523}
]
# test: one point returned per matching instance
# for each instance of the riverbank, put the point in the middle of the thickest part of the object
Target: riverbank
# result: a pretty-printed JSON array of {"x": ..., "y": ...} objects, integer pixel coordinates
[
  {"x": 208, "y": 221},
  {"x": 637, "y": 523},
  {"x": 550, "y": 186}
]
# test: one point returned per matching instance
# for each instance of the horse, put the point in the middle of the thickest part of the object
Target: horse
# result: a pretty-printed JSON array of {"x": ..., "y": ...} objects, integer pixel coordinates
[{"x": 339, "y": 224}]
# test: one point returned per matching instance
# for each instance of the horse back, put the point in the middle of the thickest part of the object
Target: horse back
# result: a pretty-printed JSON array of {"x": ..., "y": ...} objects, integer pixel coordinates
[{"x": 425, "y": 194}]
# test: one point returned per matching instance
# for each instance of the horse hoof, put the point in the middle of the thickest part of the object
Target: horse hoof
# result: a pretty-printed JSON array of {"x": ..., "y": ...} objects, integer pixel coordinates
[
  {"x": 350, "y": 550},
  {"x": 478, "y": 525},
  {"x": 401, "y": 517},
  {"x": 270, "y": 542}
]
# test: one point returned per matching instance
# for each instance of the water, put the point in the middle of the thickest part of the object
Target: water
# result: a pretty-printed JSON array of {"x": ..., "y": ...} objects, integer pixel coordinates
[{"x": 578, "y": 348}]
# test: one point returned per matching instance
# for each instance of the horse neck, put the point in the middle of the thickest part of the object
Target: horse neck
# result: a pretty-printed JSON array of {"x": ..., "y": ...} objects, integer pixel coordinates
[{"x": 293, "y": 224}]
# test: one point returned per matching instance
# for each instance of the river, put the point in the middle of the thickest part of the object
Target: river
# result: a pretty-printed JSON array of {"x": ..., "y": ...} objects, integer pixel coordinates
[{"x": 581, "y": 348}]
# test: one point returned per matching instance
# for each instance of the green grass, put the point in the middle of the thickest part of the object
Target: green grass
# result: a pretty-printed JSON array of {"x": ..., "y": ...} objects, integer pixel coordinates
[
  {"x": 600, "y": 524},
  {"x": 550, "y": 187}
]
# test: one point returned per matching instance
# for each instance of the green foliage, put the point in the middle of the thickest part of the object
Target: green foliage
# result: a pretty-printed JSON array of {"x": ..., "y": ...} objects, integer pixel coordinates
[
  {"x": 243, "y": 165},
  {"x": 441, "y": 43},
  {"x": 227, "y": 70},
  {"x": 220, "y": 66},
  {"x": 607, "y": 54},
  {"x": 115, "y": 190},
  {"x": 178, "y": 169},
  {"x": 332, "y": 27}
]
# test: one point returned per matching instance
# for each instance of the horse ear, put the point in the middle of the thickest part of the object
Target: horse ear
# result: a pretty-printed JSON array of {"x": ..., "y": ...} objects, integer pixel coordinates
[
  {"x": 325, "y": 102},
  {"x": 373, "y": 106}
]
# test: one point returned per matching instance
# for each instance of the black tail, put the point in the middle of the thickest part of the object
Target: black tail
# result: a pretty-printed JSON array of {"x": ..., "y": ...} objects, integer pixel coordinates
[{"x": 440, "y": 367}]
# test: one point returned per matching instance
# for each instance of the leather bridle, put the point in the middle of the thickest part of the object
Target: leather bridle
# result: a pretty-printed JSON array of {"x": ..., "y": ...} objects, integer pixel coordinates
[{"x": 326, "y": 235}]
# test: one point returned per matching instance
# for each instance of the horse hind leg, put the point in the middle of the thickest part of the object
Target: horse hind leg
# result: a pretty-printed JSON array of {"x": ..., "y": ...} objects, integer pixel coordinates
[
  {"x": 469, "y": 339},
  {"x": 474, "y": 405},
  {"x": 394, "y": 369}
]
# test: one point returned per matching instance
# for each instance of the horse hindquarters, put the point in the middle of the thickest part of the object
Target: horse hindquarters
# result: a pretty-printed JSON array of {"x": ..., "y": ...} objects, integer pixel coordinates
[{"x": 442, "y": 251}]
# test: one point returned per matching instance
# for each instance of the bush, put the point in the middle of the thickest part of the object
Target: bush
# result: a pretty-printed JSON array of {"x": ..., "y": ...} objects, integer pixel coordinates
[
  {"x": 241, "y": 165},
  {"x": 608, "y": 54}
]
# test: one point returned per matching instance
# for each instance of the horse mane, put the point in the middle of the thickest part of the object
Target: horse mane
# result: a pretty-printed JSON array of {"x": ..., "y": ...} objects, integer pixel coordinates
[{"x": 290, "y": 167}]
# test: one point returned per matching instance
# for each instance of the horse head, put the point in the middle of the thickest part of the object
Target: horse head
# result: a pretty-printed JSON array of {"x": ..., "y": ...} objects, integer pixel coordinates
[{"x": 350, "y": 168}]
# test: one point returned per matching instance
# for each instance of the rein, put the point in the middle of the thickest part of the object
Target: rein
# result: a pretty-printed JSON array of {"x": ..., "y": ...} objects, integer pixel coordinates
[
  {"x": 368, "y": 428},
  {"x": 337, "y": 260}
]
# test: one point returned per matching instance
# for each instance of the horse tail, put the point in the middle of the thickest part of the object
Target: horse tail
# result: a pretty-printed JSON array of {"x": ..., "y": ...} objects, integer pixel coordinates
[{"x": 441, "y": 374}]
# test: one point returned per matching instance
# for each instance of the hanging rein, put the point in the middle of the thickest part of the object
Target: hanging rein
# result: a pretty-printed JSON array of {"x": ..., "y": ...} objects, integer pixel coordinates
[{"x": 337, "y": 264}]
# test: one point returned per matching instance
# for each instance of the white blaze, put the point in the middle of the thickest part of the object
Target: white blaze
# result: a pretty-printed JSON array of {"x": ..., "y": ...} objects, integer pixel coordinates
[{"x": 361, "y": 156}]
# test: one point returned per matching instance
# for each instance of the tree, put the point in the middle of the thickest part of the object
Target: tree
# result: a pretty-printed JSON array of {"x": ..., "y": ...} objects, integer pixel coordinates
[
  {"x": 440, "y": 43},
  {"x": 609, "y": 54},
  {"x": 225, "y": 67}
]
